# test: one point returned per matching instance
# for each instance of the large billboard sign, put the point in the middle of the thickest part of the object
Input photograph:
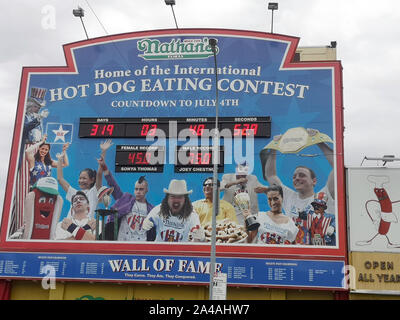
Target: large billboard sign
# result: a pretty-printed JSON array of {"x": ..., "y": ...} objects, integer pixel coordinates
[{"x": 114, "y": 153}]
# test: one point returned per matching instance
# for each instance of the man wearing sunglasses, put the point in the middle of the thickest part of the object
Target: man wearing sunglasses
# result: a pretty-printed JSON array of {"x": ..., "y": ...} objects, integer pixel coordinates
[
  {"x": 204, "y": 207},
  {"x": 79, "y": 226}
]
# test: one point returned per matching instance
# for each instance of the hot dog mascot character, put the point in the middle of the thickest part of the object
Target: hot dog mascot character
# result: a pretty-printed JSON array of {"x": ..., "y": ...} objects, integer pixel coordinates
[
  {"x": 384, "y": 216},
  {"x": 42, "y": 210}
]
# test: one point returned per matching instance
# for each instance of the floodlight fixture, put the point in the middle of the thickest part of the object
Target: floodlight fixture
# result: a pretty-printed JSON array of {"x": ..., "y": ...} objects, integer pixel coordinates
[
  {"x": 385, "y": 159},
  {"x": 272, "y": 6},
  {"x": 80, "y": 13},
  {"x": 172, "y": 3}
]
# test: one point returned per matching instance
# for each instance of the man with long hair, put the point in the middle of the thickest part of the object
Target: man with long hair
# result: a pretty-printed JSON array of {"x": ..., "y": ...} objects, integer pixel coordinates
[{"x": 174, "y": 219}]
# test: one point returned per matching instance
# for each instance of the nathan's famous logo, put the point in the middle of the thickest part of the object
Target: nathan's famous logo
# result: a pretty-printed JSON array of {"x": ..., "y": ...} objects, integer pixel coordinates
[{"x": 154, "y": 49}]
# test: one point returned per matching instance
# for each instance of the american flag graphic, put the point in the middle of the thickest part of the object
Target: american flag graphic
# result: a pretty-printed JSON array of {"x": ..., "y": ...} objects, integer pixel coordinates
[
  {"x": 20, "y": 192},
  {"x": 38, "y": 93}
]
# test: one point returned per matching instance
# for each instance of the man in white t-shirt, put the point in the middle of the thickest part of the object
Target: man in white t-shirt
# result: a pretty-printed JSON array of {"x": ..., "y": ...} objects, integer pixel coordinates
[
  {"x": 130, "y": 226},
  {"x": 174, "y": 219}
]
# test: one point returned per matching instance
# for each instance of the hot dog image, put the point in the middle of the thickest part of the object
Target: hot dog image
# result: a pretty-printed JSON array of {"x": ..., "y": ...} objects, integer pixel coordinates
[{"x": 384, "y": 215}]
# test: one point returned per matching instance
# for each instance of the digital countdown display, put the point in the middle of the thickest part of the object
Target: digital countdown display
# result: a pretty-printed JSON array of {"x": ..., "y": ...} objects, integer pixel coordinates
[
  {"x": 197, "y": 159},
  {"x": 139, "y": 158},
  {"x": 259, "y": 127}
]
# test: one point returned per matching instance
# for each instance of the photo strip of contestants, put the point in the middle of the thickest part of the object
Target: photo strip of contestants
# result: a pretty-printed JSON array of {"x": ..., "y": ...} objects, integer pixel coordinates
[{"x": 297, "y": 214}]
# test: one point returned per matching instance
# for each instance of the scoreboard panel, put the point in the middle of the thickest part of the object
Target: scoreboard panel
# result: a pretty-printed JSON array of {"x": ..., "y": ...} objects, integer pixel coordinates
[{"x": 259, "y": 127}]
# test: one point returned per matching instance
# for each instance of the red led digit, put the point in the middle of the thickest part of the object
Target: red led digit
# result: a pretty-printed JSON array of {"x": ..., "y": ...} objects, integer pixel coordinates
[
  {"x": 103, "y": 130},
  {"x": 192, "y": 158},
  {"x": 246, "y": 127},
  {"x": 110, "y": 129},
  {"x": 132, "y": 157},
  {"x": 153, "y": 129},
  {"x": 139, "y": 158},
  {"x": 206, "y": 158},
  {"x": 148, "y": 129},
  {"x": 200, "y": 129},
  {"x": 93, "y": 132},
  {"x": 192, "y": 128},
  {"x": 147, "y": 158},
  {"x": 145, "y": 130},
  {"x": 254, "y": 127},
  {"x": 237, "y": 130},
  {"x": 199, "y": 158},
  {"x": 197, "y": 129}
]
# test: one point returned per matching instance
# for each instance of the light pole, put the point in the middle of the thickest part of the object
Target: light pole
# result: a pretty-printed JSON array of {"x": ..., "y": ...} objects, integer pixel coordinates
[
  {"x": 172, "y": 3},
  {"x": 385, "y": 159},
  {"x": 213, "y": 43},
  {"x": 272, "y": 6},
  {"x": 79, "y": 13}
]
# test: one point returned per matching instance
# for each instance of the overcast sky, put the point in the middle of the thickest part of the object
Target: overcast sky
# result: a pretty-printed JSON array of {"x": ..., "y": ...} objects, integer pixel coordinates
[{"x": 367, "y": 35}]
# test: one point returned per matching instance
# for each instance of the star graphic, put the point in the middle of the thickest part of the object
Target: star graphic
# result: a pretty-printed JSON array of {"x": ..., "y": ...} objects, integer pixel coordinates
[
  {"x": 60, "y": 134},
  {"x": 295, "y": 117}
]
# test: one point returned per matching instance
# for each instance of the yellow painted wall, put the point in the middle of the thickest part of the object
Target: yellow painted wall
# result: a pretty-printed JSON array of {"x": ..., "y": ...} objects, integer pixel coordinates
[
  {"x": 363, "y": 296},
  {"x": 30, "y": 290}
]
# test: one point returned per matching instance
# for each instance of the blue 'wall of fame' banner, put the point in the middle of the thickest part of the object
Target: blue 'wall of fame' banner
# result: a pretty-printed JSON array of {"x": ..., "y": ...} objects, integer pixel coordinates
[{"x": 243, "y": 271}]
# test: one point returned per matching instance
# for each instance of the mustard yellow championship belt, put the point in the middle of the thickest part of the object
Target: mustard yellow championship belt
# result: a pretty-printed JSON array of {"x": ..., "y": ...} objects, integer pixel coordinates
[{"x": 296, "y": 139}]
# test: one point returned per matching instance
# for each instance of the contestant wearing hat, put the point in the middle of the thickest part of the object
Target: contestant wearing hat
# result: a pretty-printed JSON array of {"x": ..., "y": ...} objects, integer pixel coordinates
[
  {"x": 174, "y": 219},
  {"x": 42, "y": 210},
  {"x": 204, "y": 207},
  {"x": 321, "y": 225},
  {"x": 33, "y": 127},
  {"x": 79, "y": 226},
  {"x": 242, "y": 181}
]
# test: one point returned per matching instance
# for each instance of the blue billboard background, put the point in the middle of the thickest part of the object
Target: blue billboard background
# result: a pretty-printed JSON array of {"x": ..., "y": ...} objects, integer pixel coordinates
[{"x": 313, "y": 110}]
